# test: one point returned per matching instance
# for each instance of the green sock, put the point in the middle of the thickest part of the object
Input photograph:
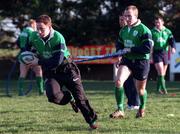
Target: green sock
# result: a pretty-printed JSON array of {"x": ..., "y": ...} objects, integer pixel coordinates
[
  {"x": 40, "y": 85},
  {"x": 143, "y": 99},
  {"x": 119, "y": 95},
  {"x": 21, "y": 86},
  {"x": 163, "y": 84},
  {"x": 159, "y": 83}
]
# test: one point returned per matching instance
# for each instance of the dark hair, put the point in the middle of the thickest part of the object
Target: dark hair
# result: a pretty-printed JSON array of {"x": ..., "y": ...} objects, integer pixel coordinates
[
  {"x": 44, "y": 19},
  {"x": 158, "y": 16}
]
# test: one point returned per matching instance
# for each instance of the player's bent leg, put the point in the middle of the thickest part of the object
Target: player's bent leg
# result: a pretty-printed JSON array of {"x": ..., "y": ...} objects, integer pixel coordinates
[
  {"x": 88, "y": 113},
  {"x": 54, "y": 93},
  {"x": 23, "y": 70},
  {"x": 75, "y": 86},
  {"x": 122, "y": 74},
  {"x": 37, "y": 70},
  {"x": 82, "y": 103}
]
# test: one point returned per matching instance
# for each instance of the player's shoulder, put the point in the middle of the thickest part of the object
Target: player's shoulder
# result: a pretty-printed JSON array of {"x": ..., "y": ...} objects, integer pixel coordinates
[
  {"x": 153, "y": 29},
  {"x": 167, "y": 30},
  {"x": 33, "y": 36},
  {"x": 58, "y": 36},
  {"x": 26, "y": 31},
  {"x": 29, "y": 29},
  {"x": 123, "y": 29},
  {"x": 144, "y": 27}
]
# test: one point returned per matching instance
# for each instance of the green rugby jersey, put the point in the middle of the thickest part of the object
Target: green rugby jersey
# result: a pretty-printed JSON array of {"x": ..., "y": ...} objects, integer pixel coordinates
[
  {"x": 138, "y": 38},
  {"x": 162, "y": 38},
  {"x": 23, "y": 37},
  {"x": 52, "y": 50}
]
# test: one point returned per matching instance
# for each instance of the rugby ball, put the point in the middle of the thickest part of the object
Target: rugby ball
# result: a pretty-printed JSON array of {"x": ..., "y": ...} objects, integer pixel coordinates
[{"x": 27, "y": 57}]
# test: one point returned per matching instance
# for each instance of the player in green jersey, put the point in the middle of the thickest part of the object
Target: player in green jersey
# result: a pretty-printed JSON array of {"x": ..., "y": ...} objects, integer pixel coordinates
[
  {"x": 129, "y": 85},
  {"x": 22, "y": 42},
  {"x": 59, "y": 70},
  {"x": 163, "y": 40},
  {"x": 135, "y": 38}
]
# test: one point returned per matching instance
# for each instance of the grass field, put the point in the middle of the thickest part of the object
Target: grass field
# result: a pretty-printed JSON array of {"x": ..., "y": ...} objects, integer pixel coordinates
[{"x": 32, "y": 114}]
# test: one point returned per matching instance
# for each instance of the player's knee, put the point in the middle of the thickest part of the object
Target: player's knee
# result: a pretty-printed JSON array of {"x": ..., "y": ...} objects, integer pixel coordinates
[
  {"x": 141, "y": 91},
  {"x": 60, "y": 98},
  {"x": 118, "y": 84},
  {"x": 64, "y": 98},
  {"x": 38, "y": 71},
  {"x": 23, "y": 73},
  {"x": 49, "y": 91}
]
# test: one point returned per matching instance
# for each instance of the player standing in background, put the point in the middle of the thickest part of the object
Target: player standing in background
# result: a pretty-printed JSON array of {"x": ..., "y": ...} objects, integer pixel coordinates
[
  {"x": 129, "y": 85},
  {"x": 22, "y": 42},
  {"x": 59, "y": 70},
  {"x": 162, "y": 38},
  {"x": 135, "y": 38}
]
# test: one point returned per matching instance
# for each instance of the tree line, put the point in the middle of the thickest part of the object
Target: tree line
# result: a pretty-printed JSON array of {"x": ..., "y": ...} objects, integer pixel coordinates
[{"x": 85, "y": 22}]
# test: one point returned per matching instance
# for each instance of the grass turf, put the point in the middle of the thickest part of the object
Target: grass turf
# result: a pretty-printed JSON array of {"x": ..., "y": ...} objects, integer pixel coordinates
[{"x": 32, "y": 114}]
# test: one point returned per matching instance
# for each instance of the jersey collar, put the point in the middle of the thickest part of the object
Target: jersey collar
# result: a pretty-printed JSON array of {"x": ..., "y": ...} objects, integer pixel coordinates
[
  {"x": 159, "y": 30},
  {"x": 51, "y": 34},
  {"x": 136, "y": 23}
]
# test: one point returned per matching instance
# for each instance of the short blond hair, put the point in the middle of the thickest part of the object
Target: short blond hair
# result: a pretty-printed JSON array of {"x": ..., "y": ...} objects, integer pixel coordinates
[
  {"x": 134, "y": 9},
  {"x": 32, "y": 21}
]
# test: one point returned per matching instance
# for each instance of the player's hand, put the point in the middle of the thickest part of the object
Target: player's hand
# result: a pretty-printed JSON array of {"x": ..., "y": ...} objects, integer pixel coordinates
[
  {"x": 127, "y": 49},
  {"x": 116, "y": 64},
  {"x": 118, "y": 61},
  {"x": 34, "y": 62},
  {"x": 173, "y": 50}
]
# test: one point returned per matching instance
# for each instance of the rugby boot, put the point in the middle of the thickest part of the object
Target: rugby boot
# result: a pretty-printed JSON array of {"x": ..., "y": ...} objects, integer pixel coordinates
[
  {"x": 161, "y": 92},
  {"x": 140, "y": 113},
  {"x": 93, "y": 125},
  {"x": 117, "y": 114}
]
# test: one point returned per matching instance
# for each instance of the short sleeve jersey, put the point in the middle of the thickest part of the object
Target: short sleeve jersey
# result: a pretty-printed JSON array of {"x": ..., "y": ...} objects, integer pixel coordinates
[
  {"x": 48, "y": 48},
  {"x": 134, "y": 37},
  {"x": 160, "y": 38}
]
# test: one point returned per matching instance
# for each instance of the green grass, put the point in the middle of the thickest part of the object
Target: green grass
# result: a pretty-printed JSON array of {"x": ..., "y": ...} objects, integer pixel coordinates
[{"x": 34, "y": 115}]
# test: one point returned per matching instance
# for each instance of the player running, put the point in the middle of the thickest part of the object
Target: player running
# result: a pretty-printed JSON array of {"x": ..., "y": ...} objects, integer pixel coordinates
[
  {"x": 162, "y": 38},
  {"x": 129, "y": 85},
  {"x": 135, "y": 38},
  {"x": 59, "y": 70}
]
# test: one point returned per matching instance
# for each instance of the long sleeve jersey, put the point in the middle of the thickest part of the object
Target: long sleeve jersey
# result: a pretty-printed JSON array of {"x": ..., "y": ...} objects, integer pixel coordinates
[
  {"x": 138, "y": 38},
  {"x": 51, "y": 51}
]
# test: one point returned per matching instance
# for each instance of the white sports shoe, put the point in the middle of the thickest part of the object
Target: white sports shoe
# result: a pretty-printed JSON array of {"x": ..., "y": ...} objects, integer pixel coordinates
[{"x": 132, "y": 107}]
